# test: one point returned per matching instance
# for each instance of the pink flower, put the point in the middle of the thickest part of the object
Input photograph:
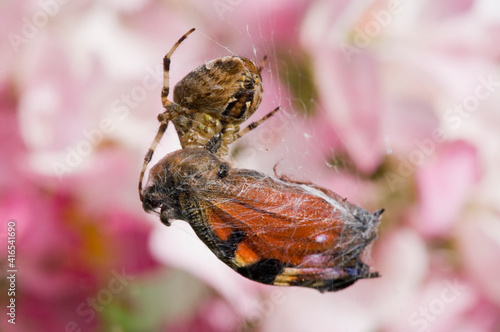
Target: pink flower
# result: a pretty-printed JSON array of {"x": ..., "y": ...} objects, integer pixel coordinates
[
  {"x": 479, "y": 244},
  {"x": 348, "y": 88},
  {"x": 213, "y": 315},
  {"x": 445, "y": 184}
]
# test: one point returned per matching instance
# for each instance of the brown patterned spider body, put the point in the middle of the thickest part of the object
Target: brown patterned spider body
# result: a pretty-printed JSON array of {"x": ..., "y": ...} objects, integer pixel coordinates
[
  {"x": 224, "y": 92},
  {"x": 209, "y": 104}
]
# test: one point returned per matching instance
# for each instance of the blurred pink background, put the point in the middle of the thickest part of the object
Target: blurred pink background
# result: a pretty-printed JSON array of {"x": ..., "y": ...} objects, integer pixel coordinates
[{"x": 391, "y": 104}]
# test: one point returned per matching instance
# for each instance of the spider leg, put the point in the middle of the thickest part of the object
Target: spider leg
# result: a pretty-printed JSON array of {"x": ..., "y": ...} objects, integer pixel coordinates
[
  {"x": 149, "y": 155},
  {"x": 166, "y": 69},
  {"x": 262, "y": 63},
  {"x": 254, "y": 125},
  {"x": 216, "y": 141},
  {"x": 164, "y": 117}
]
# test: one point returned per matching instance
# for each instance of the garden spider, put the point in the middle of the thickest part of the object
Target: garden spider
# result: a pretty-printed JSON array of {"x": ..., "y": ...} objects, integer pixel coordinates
[{"x": 209, "y": 104}]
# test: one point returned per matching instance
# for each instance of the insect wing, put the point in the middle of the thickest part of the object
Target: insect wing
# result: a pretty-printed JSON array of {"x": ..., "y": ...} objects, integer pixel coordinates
[{"x": 285, "y": 233}]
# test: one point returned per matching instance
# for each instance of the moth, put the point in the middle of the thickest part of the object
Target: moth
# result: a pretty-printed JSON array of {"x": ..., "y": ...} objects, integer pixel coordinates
[{"x": 269, "y": 229}]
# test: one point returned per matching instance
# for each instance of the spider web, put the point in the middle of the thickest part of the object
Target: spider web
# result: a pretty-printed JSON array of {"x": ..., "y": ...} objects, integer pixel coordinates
[{"x": 274, "y": 142}]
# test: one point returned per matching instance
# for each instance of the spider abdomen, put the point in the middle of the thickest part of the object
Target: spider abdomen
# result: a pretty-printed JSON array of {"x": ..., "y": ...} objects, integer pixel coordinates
[
  {"x": 222, "y": 93},
  {"x": 230, "y": 86}
]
